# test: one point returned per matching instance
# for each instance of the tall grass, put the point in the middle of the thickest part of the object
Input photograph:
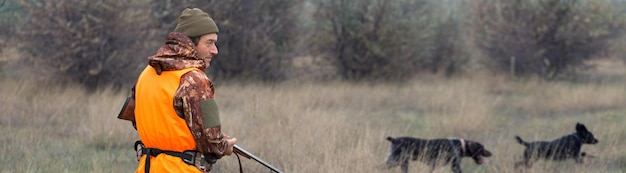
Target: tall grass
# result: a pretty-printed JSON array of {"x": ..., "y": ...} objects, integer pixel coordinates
[{"x": 324, "y": 127}]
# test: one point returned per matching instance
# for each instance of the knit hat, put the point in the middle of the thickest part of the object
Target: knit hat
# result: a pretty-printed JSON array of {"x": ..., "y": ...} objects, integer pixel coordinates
[{"x": 194, "y": 22}]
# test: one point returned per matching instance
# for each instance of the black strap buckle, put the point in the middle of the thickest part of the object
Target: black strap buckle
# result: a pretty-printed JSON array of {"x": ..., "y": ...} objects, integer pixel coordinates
[{"x": 190, "y": 157}]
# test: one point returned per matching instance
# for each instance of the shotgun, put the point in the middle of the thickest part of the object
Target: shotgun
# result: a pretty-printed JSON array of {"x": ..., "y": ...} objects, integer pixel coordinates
[{"x": 238, "y": 150}]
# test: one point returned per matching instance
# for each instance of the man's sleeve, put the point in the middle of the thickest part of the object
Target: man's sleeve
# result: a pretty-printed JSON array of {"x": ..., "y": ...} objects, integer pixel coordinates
[{"x": 199, "y": 110}]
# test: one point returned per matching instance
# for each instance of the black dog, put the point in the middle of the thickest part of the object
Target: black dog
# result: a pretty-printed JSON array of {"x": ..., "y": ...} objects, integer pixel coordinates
[
  {"x": 560, "y": 149},
  {"x": 434, "y": 152}
]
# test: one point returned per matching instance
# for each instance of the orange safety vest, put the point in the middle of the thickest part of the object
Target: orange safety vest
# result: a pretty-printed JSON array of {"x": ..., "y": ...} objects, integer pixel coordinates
[{"x": 158, "y": 124}]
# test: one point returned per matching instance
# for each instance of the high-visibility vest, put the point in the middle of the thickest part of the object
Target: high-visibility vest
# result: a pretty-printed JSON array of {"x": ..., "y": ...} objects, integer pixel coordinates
[{"x": 158, "y": 124}]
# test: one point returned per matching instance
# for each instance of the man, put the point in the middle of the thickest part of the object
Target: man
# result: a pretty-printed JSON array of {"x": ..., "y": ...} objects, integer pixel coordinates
[{"x": 172, "y": 105}]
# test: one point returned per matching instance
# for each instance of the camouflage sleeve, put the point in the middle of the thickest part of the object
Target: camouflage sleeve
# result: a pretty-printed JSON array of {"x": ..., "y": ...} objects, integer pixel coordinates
[{"x": 194, "y": 88}]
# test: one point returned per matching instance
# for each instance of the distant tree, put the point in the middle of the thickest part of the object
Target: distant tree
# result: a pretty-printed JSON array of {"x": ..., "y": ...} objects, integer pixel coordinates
[
  {"x": 449, "y": 54},
  {"x": 546, "y": 38},
  {"x": 375, "y": 39},
  {"x": 257, "y": 38},
  {"x": 8, "y": 13},
  {"x": 94, "y": 43}
]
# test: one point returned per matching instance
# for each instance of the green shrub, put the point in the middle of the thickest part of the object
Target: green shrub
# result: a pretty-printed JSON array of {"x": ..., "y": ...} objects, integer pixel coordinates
[
  {"x": 545, "y": 38},
  {"x": 372, "y": 39},
  {"x": 88, "y": 42}
]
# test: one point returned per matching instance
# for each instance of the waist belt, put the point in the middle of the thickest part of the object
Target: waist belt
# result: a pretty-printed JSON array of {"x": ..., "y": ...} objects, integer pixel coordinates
[{"x": 193, "y": 158}]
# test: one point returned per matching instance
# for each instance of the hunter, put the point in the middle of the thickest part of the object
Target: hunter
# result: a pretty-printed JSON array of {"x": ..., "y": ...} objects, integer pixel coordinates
[{"x": 172, "y": 105}]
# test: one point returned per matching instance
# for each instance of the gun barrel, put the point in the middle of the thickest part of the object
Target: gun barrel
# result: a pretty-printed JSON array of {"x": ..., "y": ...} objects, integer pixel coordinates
[{"x": 249, "y": 155}]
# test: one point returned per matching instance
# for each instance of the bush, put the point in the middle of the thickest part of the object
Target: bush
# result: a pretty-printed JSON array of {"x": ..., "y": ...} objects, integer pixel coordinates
[
  {"x": 546, "y": 38},
  {"x": 8, "y": 13},
  {"x": 449, "y": 53},
  {"x": 375, "y": 39},
  {"x": 90, "y": 42},
  {"x": 257, "y": 38}
]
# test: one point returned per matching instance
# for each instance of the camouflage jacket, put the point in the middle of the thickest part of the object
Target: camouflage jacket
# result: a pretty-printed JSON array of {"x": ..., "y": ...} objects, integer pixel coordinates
[{"x": 179, "y": 53}]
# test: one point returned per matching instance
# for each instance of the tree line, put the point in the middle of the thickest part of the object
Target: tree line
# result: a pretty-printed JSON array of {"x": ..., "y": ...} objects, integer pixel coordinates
[{"x": 106, "y": 42}]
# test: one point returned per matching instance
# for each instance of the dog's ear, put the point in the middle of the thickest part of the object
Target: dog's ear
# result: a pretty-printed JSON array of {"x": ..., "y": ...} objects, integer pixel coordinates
[
  {"x": 486, "y": 153},
  {"x": 472, "y": 147},
  {"x": 581, "y": 128}
]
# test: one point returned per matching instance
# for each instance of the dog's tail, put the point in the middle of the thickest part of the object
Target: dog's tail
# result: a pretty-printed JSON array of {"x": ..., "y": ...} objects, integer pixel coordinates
[{"x": 519, "y": 139}]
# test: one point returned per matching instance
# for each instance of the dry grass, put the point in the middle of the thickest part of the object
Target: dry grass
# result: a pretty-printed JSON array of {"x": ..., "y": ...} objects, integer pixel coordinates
[{"x": 324, "y": 127}]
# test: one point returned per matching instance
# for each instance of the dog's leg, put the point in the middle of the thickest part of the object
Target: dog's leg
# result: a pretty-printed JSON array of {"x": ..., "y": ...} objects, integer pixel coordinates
[
  {"x": 405, "y": 166},
  {"x": 524, "y": 164},
  {"x": 583, "y": 155},
  {"x": 578, "y": 159},
  {"x": 456, "y": 165},
  {"x": 577, "y": 156},
  {"x": 528, "y": 155},
  {"x": 529, "y": 162},
  {"x": 518, "y": 164}
]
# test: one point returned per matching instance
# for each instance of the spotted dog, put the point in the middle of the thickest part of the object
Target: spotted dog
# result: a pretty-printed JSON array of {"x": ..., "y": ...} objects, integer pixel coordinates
[{"x": 434, "y": 152}]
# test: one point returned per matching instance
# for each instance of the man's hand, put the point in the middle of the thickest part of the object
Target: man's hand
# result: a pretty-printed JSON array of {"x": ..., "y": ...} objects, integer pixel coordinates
[{"x": 231, "y": 143}]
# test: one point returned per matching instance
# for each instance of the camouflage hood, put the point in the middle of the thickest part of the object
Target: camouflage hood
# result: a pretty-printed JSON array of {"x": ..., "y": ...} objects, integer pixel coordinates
[{"x": 178, "y": 53}]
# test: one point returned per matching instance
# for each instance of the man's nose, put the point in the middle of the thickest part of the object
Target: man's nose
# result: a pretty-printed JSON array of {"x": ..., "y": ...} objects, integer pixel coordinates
[{"x": 214, "y": 50}]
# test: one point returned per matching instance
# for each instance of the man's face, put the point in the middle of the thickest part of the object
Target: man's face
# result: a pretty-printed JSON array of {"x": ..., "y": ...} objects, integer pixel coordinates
[{"x": 207, "y": 48}]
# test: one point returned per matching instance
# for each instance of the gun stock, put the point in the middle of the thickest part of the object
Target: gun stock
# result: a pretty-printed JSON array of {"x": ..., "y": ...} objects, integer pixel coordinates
[{"x": 238, "y": 150}]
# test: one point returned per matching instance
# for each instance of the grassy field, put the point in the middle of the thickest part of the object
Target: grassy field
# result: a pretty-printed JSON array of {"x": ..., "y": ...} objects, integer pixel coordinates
[{"x": 328, "y": 127}]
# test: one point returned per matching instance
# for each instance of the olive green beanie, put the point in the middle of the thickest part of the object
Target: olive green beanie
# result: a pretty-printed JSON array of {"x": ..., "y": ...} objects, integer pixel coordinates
[{"x": 194, "y": 22}]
